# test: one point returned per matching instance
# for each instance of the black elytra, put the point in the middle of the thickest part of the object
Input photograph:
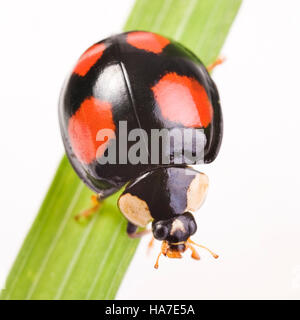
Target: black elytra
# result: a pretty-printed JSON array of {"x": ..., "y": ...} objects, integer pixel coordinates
[{"x": 145, "y": 81}]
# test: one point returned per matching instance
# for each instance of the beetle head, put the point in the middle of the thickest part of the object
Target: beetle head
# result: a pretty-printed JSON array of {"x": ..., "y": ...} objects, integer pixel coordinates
[{"x": 175, "y": 232}]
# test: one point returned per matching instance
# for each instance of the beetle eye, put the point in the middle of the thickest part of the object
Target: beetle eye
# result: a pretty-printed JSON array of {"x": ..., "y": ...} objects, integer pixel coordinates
[
  {"x": 160, "y": 232},
  {"x": 192, "y": 227}
]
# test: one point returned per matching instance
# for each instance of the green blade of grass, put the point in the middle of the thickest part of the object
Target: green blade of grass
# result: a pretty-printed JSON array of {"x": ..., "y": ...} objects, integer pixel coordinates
[
  {"x": 62, "y": 259},
  {"x": 200, "y": 25}
]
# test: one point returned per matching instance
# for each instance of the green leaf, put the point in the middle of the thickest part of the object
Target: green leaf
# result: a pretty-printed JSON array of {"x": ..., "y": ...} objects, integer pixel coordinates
[
  {"x": 63, "y": 259},
  {"x": 200, "y": 25}
]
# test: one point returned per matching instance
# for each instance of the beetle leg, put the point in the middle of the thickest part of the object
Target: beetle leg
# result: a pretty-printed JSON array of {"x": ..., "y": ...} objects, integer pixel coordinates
[
  {"x": 132, "y": 231},
  {"x": 215, "y": 63},
  {"x": 96, "y": 203},
  {"x": 150, "y": 244},
  {"x": 156, "y": 263},
  {"x": 199, "y": 245}
]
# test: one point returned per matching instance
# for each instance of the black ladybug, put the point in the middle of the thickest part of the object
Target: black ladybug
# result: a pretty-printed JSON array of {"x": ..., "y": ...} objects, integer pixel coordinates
[{"x": 140, "y": 109}]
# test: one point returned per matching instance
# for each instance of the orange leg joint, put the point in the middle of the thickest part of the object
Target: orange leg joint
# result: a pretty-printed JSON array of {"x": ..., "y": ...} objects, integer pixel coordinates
[
  {"x": 150, "y": 245},
  {"x": 90, "y": 211},
  {"x": 214, "y": 64}
]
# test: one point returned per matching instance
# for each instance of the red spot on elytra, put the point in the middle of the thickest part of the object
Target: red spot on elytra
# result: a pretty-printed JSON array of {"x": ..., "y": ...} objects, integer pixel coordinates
[
  {"x": 147, "y": 41},
  {"x": 89, "y": 58},
  {"x": 184, "y": 100},
  {"x": 92, "y": 116}
]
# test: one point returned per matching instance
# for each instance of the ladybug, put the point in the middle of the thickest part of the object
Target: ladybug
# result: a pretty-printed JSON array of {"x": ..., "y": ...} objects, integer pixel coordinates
[{"x": 123, "y": 89}]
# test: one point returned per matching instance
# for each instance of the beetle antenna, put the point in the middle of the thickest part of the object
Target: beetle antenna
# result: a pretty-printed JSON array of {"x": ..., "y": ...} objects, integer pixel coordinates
[
  {"x": 163, "y": 250},
  {"x": 201, "y": 246},
  {"x": 195, "y": 254}
]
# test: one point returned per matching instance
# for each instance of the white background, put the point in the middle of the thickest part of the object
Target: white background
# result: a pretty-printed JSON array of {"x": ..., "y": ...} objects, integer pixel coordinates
[{"x": 252, "y": 213}]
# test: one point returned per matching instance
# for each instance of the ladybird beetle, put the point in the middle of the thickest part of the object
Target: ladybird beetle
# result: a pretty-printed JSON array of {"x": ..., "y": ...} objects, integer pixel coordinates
[{"x": 142, "y": 81}]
